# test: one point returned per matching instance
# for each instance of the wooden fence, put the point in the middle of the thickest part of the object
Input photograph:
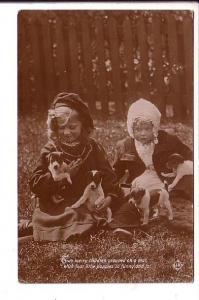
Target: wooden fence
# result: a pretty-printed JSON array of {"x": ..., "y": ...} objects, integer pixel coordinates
[{"x": 109, "y": 57}]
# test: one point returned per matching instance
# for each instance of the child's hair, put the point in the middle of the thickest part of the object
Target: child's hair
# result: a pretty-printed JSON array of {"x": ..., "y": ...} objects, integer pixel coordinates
[{"x": 74, "y": 102}]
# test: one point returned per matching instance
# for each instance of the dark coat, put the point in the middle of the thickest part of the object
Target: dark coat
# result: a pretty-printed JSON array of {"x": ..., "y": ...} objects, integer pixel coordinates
[
  {"x": 43, "y": 185},
  {"x": 167, "y": 144}
]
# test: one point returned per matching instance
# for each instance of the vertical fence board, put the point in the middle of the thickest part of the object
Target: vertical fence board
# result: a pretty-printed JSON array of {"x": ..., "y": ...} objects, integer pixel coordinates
[
  {"x": 188, "y": 49},
  {"x": 159, "y": 80},
  {"x": 60, "y": 57},
  {"x": 87, "y": 56},
  {"x": 37, "y": 65},
  {"x": 27, "y": 63},
  {"x": 173, "y": 56},
  {"x": 22, "y": 65},
  {"x": 46, "y": 49},
  {"x": 73, "y": 53},
  {"x": 115, "y": 63},
  {"x": 128, "y": 57},
  {"x": 100, "y": 51},
  {"x": 142, "y": 42}
]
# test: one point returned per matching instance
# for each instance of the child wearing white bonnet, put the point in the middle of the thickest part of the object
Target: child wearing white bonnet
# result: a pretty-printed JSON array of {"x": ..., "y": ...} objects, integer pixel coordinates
[
  {"x": 144, "y": 153},
  {"x": 143, "y": 122}
]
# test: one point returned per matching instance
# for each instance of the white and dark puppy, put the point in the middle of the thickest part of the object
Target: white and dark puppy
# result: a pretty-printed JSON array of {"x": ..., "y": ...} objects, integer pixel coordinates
[
  {"x": 93, "y": 194},
  {"x": 142, "y": 199},
  {"x": 179, "y": 167},
  {"x": 57, "y": 167}
]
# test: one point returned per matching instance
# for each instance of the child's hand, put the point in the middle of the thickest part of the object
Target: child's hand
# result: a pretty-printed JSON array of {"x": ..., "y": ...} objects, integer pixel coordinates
[
  {"x": 103, "y": 203},
  {"x": 73, "y": 167},
  {"x": 170, "y": 187}
]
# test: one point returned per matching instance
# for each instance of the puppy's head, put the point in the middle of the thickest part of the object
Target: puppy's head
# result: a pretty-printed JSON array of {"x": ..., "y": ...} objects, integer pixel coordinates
[
  {"x": 55, "y": 159},
  {"x": 174, "y": 160},
  {"x": 136, "y": 195},
  {"x": 94, "y": 178}
]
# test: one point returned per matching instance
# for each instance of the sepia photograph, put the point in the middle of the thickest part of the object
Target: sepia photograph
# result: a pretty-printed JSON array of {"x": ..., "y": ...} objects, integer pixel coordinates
[{"x": 105, "y": 145}]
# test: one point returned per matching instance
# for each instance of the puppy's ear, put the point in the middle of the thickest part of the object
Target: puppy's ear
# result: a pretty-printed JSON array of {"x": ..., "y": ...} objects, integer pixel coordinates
[
  {"x": 89, "y": 176},
  {"x": 141, "y": 192},
  {"x": 48, "y": 156},
  {"x": 133, "y": 193},
  {"x": 61, "y": 155}
]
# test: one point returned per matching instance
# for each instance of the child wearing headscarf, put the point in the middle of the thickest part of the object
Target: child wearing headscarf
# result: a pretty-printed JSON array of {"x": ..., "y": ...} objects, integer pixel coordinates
[
  {"x": 144, "y": 153},
  {"x": 69, "y": 127}
]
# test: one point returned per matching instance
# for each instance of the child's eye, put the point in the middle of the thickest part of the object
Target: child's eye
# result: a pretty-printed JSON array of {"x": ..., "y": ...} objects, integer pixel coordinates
[{"x": 72, "y": 127}]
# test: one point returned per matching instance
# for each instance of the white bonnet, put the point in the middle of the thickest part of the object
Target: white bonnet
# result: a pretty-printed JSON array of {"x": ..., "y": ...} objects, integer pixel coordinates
[{"x": 143, "y": 109}]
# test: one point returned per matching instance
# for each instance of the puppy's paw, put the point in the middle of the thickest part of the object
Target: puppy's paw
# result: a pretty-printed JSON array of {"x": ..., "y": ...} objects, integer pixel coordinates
[
  {"x": 170, "y": 187},
  {"x": 163, "y": 174},
  {"x": 75, "y": 206}
]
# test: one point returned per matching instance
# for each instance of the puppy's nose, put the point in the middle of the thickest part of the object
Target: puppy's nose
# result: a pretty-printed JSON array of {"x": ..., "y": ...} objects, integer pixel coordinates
[
  {"x": 93, "y": 186},
  {"x": 55, "y": 166}
]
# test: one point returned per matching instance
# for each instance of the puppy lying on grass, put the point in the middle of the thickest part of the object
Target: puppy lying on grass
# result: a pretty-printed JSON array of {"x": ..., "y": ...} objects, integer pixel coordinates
[
  {"x": 93, "y": 194},
  {"x": 179, "y": 167},
  {"x": 144, "y": 200}
]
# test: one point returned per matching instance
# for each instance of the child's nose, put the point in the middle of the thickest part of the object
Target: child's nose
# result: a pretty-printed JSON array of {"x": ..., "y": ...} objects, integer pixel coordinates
[
  {"x": 66, "y": 131},
  {"x": 143, "y": 131}
]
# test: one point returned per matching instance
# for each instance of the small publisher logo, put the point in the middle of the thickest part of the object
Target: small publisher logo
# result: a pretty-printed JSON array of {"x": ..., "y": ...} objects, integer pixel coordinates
[{"x": 177, "y": 265}]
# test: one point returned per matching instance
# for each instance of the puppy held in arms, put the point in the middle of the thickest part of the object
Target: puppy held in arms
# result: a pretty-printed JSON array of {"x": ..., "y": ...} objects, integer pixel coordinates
[
  {"x": 57, "y": 167},
  {"x": 93, "y": 194},
  {"x": 144, "y": 199},
  {"x": 59, "y": 171},
  {"x": 179, "y": 167}
]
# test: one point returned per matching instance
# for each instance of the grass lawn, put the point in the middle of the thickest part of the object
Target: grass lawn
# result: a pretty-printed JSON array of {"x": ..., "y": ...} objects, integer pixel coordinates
[{"x": 163, "y": 256}]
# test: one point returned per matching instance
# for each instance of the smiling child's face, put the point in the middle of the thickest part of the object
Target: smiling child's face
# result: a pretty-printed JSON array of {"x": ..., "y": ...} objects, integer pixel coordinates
[
  {"x": 70, "y": 130},
  {"x": 143, "y": 132}
]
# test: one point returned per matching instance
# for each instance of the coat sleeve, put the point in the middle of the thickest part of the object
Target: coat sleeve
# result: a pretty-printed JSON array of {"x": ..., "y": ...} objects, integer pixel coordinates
[
  {"x": 182, "y": 149},
  {"x": 109, "y": 183},
  {"x": 119, "y": 151},
  {"x": 41, "y": 182},
  {"x": 169, "y": 144}
]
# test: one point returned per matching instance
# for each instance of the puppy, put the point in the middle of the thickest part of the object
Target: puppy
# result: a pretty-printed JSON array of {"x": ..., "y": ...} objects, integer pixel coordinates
[
  {"x": 57, "y": 167},
  {"x": 180, "y": 168},
  {"x": 142, "y": 198},
  {"x": 93, "y": 194}
]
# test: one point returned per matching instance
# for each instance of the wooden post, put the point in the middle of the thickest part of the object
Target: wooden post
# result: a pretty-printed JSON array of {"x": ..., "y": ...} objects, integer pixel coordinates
[
  {"x": 100, "y": 52},
  {"x": 59, "y": 59},
  {"x": 46, "y": 49},
  {"x": 26, "y": 71},
  {"x": 142, "y": 42},
  {"x": 37, "y": 64},
  {"x": 159, "y": 79},
  {"x": 128, "y": 57},
  {"x": 173, "y": 55},
  {"x": 87, "y": 55},
  {"x": 115, "y": 64},
  {"x": 73, "y": 54},
  {"x": 188, "y": 56},
  {"x": 23, "y": 65}
]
